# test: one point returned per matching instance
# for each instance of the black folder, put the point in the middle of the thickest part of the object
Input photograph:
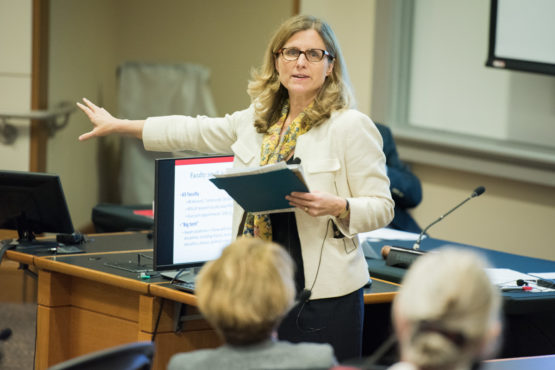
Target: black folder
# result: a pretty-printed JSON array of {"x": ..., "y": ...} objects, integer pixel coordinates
[{"x": 263, "y": 190}]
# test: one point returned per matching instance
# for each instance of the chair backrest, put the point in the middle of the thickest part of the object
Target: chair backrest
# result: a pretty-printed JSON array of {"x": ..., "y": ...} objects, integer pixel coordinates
[
  {"x": 156, "y": 89},
  {"x": 131, "y": 356}
]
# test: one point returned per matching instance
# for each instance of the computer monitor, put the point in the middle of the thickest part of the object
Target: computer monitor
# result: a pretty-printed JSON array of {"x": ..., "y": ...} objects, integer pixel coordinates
[
  {"x": 192, "y": 217},
  {"x": 33, "y": 203}
]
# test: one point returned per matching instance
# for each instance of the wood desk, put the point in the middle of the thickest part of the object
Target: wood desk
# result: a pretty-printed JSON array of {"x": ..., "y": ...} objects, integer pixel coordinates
[
  {"x": 529, "y": 323},
  {"x": 85, "y": 305},
  {"x": 519, "y": 363}
]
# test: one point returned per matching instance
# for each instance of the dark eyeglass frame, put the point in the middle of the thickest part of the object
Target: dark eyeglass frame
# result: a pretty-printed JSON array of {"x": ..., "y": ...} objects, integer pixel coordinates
[{"x": 325, "y": 53}]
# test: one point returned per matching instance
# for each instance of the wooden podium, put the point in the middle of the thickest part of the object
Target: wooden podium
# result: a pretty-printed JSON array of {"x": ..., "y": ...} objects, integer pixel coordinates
[{"x": 85, "y": 305}]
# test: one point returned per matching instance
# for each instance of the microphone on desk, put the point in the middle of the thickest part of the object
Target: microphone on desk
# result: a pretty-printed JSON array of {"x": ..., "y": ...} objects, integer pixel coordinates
[
  {"x": 399, "y": 257},
  {"x": 477, "y": 192}
]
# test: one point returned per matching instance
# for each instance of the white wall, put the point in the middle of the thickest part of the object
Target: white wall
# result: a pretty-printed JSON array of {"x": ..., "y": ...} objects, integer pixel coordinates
[
  {"x": 451, "y": 89},
  {"x": 15, "y": 78},
  {"x": 512, "y": 216}
]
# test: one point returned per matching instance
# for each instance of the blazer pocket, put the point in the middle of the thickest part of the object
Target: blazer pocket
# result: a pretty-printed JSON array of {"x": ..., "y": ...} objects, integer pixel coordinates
[
  {"x": 350, "y": 245},
  {"x": 343, "y": 246},
  {"x": 321, "y": 174},
  {"x": 323, "y": 165},
  {"x": 242, "y": 152}
]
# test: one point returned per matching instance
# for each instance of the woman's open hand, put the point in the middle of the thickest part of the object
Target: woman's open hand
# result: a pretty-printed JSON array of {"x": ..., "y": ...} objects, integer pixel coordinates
[{"x": 104, "y": 123}]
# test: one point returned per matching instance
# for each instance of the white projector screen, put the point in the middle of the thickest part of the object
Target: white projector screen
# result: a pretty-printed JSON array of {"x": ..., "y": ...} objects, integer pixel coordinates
[{"x": 522, "y": 35}]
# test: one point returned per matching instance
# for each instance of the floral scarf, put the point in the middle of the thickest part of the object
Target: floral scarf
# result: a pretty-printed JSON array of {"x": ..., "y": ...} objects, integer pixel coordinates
[{"x": 275, "y": 150}]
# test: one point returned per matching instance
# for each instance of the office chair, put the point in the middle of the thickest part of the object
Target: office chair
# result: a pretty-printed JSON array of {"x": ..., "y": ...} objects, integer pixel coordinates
[
  {"x": 5, "y": 334},
  {"x": 131, "y": 356},
  {"x": 149, "y": 90}
]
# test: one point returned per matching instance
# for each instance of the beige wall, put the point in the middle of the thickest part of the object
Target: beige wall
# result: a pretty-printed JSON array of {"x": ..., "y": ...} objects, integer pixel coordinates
[
  {"x": 352, "y": 23},
  {"x": 90, "y": 38},
  {"x": 81, "y": 60},
  {"x": 512, "y": 216},
  {"x": 227, "y": 37},
  {"x": 15, "y": 78}
]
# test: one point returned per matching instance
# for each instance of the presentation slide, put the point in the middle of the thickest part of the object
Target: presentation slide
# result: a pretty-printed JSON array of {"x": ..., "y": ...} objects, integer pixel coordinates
[
  {"x": 202, "y": 212},
  {"x": 526, "y": 31}
]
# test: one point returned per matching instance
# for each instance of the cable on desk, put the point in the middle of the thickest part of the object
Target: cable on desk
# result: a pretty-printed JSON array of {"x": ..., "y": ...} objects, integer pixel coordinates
[
  {"x": 158, "y": 320},
  {"x": 162, "y": 305},
  {"x": 179, "y": 273}
]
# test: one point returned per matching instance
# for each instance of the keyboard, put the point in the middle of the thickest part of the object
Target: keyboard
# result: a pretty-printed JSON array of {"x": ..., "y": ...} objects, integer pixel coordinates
[{"x": 186, "y": 286}]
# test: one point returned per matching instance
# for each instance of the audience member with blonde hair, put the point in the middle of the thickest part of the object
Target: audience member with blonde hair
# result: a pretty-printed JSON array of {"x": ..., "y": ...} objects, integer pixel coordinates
[
  {"x": 244, "y": 295},
  {"x": 447, "y": 312}
]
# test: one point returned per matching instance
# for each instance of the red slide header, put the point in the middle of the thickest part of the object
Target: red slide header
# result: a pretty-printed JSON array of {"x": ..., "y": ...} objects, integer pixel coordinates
[{"x": 203, "y": 160}]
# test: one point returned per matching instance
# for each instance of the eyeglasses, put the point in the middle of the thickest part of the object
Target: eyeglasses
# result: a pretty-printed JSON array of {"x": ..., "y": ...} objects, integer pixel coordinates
[{"x": 312, "y": 55}]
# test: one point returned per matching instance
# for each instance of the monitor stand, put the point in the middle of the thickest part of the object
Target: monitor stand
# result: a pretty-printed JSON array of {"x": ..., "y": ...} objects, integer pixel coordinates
[
  {"x": 36, "y": 245},
  {"x": 188, "y": 275},
  {"x": 28, "y": 243}
]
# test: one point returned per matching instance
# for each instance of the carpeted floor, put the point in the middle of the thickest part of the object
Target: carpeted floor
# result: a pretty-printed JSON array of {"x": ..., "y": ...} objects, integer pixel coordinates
[{"x": 18, "y": 351}]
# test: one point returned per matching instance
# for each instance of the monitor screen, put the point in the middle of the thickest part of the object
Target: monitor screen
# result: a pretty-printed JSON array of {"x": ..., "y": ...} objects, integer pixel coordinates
[
  {"x": 522, "y": 37},
  {"x": 33, "y": 203},
  {"x": 192, "y": 217}
]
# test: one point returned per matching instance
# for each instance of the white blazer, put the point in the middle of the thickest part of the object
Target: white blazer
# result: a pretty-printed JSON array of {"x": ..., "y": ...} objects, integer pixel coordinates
[{"x": 342, "y": 156}]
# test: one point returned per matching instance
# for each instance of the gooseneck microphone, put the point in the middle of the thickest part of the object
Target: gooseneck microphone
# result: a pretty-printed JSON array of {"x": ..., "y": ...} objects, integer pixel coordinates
[{"x": 477, "y": 192}]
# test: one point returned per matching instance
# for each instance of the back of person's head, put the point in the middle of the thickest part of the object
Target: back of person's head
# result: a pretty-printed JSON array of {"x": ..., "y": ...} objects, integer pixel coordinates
[
  {"x": 267, "y": 92},
  {"x": 246, "y": 292},
  {"x": 447, "y": 312}
]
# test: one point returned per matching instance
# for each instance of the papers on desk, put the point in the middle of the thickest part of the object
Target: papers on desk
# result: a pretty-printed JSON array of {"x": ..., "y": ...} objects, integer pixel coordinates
[
  {"x": 545, "y": 279},
  {"x": 388, "y": 234},
  {"x": 501, "y": 277},
  {"x": 506, "y": 280},
  {"x": 543, "y": 275}
]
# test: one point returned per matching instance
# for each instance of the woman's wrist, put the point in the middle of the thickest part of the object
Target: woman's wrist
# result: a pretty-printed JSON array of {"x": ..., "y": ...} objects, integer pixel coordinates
[
  {"x": 345, "y": 211},
  {"x": 131, "y": 127}
]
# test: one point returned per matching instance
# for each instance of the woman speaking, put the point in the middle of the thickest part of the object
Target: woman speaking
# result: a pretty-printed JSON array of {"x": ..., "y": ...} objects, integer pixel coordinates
[{"x": 301, "y": 109}]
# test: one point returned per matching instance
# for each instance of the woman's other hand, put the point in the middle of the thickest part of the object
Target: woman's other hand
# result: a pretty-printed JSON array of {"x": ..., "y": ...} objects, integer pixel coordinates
[
  {"x": 317, "y": 203},
  {"x": 105, "y": 124}
]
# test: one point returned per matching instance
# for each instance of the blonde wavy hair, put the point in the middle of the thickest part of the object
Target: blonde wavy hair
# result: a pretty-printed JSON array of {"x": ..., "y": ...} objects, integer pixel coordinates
[
  {"x": 447, "y": 312},
  {"x": 268, "y": 95},
  {"x": 246, "y": 292}
]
